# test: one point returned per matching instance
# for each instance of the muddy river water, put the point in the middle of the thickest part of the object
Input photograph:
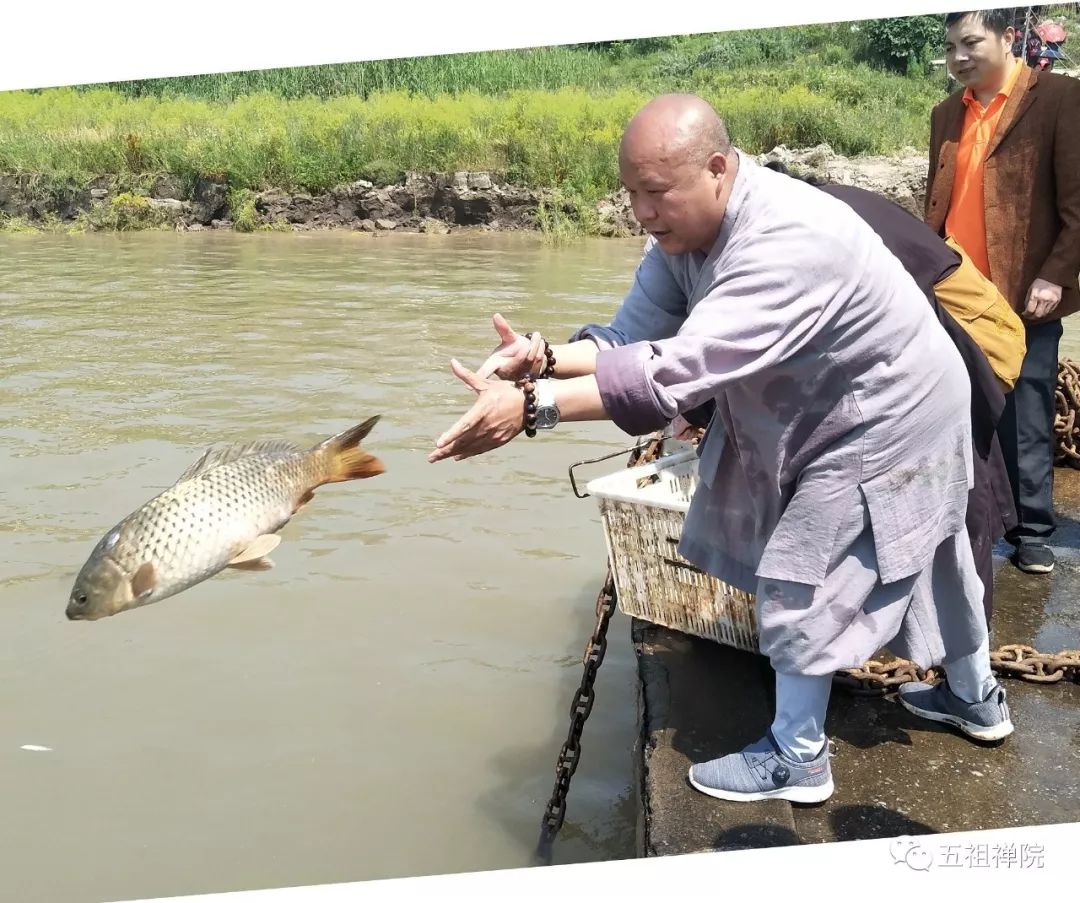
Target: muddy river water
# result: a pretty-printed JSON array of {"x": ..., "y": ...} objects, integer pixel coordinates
[{"x": 390, "y": 699}]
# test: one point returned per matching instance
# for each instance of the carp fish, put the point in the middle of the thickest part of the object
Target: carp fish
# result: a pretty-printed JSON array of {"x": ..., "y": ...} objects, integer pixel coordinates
[{"x": 224, "y": 511}]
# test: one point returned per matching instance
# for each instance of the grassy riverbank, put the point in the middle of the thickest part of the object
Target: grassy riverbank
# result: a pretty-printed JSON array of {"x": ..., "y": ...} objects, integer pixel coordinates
[{"x": 547, "y": 118}]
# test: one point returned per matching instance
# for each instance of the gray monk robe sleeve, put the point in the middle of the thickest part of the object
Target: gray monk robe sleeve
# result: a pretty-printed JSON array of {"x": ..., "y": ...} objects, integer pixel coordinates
[
  {"x": 757, "y": 311},
  {"x": 654, "y": 308}
]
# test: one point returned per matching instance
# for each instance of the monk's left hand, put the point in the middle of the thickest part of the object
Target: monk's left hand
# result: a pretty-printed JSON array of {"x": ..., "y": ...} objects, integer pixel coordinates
[
  {"x": 496, "y": 417},
  {"x": 681, "y": 428},
  {"x": 1042, "y": 298}
]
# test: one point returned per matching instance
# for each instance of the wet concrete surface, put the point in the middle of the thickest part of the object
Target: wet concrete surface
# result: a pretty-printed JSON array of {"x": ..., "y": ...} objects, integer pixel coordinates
[
  {"x": 698, "y": 700},
  {"x": 895, "y": 774}
]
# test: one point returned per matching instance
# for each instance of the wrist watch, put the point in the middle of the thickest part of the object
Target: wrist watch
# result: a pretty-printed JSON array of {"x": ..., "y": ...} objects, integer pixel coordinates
[{"x": 547, "y": 412}]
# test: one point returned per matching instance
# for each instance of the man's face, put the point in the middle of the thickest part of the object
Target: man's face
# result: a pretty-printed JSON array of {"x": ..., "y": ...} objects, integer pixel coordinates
[
  {"x": 976, "y": 57},
  {"x": 676, "y": 200}
]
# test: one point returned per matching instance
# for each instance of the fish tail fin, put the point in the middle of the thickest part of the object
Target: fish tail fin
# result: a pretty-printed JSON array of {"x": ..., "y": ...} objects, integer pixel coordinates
[{"x": 345, "y": 459}]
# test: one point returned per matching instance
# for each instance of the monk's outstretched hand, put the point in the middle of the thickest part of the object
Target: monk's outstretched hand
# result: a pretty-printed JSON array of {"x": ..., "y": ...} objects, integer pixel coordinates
[{"x": 496, "y": 417}]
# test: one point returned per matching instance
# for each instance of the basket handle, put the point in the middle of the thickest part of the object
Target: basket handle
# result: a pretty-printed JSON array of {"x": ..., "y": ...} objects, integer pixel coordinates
[
  {"x": 644, "y": 470},
  {"x": 607, "y": 457}
]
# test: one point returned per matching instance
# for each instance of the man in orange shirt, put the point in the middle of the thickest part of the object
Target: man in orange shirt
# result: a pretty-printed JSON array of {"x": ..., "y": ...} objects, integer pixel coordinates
[{"x": 1004, "y": 183}]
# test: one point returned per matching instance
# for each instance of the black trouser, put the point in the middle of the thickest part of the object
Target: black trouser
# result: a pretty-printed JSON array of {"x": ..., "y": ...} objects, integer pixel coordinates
[
  {"x": 1026, "y": 432},
  {"x": 980, "y": 532}
]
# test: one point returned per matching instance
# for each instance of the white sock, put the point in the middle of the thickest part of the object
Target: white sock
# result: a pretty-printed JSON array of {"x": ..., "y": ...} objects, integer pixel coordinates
[
  {"x": 970, "y": 677},
  {"x": 801, "y": 704}
]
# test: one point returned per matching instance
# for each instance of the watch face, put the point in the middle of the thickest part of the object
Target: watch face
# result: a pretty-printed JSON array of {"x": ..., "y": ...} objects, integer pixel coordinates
[{"x": 546, "y": 418}]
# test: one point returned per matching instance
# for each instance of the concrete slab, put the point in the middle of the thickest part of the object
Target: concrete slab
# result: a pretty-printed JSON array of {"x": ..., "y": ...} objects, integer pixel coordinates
[
  {"x": 690, "y": 687},
  {"x": 894, "y": 774}
]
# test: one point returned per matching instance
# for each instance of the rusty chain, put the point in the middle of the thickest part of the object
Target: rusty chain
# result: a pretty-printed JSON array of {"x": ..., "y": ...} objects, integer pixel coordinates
[
  {"x": 1014, "y": 660},
  {"x": 1066, "y": 408},
  {"x": 595, "y": 649},
  {"x": 875, "y": 678},
  {"x": 1029, "y": 664},
  {"x": 570, "y": 754}
]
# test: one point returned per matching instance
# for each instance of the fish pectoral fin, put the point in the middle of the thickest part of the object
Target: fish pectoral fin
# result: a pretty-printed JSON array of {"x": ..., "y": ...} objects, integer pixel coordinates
[
  {"x": 254, "y": 564},
  {"x": 263, "y": 545},
  {"x": 143, "y": 580}
]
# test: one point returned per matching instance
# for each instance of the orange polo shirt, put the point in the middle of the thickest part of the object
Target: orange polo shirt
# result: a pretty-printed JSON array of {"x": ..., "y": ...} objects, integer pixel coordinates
[{"x": 966, "y": 220}]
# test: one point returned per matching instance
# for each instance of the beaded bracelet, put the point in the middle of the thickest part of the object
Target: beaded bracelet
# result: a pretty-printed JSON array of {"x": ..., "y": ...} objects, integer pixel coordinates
[
  {"x": 549, "y": 368},
  {"x": 528, "y": 387}
]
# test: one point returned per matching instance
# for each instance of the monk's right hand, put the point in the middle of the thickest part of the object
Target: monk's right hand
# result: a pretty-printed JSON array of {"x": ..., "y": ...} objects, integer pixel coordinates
[{"x": 516, "y": 356}]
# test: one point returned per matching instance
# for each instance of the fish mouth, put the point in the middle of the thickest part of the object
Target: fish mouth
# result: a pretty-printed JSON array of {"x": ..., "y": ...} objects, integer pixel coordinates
[
  {"x": 86, "y": 613},
  {"x": 93, "y": 611}
]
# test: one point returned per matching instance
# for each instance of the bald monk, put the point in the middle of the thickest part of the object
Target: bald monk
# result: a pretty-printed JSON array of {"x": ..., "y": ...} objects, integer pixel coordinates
[{"x": 834, "y": 474}]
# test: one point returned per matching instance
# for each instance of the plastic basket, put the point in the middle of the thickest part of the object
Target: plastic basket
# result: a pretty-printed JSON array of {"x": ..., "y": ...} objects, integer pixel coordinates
[{"x": 643, "y": 510}]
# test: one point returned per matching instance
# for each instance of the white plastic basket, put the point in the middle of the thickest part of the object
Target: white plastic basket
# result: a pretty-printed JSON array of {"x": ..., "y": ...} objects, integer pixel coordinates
[{"x": 643, "y": 510}]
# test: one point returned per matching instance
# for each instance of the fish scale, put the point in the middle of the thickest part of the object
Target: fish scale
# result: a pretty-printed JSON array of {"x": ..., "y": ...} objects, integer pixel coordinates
[{"x": 236, "y": 502}]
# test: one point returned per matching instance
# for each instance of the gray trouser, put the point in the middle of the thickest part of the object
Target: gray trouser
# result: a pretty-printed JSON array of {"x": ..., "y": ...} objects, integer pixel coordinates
[
  {"x": 802, "y": 701},
  {"x": 952, "y": 584}
]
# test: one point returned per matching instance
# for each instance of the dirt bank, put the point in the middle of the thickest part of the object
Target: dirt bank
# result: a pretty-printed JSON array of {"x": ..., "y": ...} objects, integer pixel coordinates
[{"x": 421, "y": 202}]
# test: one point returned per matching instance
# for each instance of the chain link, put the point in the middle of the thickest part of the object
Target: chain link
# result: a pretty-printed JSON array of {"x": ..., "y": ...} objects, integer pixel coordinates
[
  {"x": 876, "y": 678},
  {"x": 1066, "y": 407},
  {"x": 1029, "y": 664},
  {"x": 1016, "y": 660},
  {"x": 581, "y": 707}
]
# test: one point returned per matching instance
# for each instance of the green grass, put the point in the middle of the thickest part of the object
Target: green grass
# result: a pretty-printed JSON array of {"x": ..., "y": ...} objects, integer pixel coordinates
[
  {"x": 15, "y": 225},
  {"x": 543, "y": 69},
  {"x": 566, "y": 139},
  {"x": 547, "y": 118},
  {"x": 242, "y": 205}
]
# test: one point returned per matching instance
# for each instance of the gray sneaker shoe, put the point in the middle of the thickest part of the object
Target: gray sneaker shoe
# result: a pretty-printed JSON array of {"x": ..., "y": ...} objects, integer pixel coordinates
[
  {"x": 762, "y": 772},
  {"x": 986, "y": 720}
]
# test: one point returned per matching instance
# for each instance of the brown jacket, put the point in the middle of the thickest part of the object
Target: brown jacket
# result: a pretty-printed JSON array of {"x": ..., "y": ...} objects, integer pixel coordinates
[{"x": 1031, "y": 184}]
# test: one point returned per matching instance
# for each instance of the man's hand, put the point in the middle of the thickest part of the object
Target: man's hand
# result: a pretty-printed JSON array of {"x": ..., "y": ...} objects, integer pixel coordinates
[
  {"x": 683, "y": 429},
  {"x": 1042, "y": 298},
  {"x": 516, "y": 357},
  {"x": 496, "y": 417}
]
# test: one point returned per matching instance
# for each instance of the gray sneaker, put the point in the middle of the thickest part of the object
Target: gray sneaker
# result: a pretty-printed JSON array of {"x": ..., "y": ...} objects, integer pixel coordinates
[
  {"x": 986, "y": 720},
  {"x": 762, "y": 772}
]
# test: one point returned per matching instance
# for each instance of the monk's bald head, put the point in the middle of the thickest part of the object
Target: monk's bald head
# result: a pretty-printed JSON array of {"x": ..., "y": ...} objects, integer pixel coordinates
[
  {"x": 675, "y": 128},
  {"x": 678, "y": 166}
]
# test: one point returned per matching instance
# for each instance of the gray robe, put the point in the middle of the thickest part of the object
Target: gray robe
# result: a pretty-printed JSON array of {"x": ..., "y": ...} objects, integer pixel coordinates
[{"x": 839, "y": 400}]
